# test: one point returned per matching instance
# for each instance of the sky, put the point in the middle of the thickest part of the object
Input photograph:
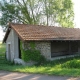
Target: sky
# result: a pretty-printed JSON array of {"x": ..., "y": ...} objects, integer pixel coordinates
[
  {"x": 76, "y": 17},
  {"x": 77, "y": 13},
  {"x": 1, "y": 34}
]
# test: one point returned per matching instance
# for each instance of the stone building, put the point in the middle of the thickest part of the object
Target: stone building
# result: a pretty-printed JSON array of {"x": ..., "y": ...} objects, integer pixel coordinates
[{"x": 53, "y": 42}]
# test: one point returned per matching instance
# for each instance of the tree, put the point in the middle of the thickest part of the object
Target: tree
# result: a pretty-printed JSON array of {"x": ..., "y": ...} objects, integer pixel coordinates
[
  {"x": 47, "y": 12},
  {"x": 59, "y": 11}
]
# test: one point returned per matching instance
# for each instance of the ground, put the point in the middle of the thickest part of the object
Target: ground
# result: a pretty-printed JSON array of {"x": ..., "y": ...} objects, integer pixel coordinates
[
  {"x": 63, "y": 67},
  {"x": 6, "y": 75}
]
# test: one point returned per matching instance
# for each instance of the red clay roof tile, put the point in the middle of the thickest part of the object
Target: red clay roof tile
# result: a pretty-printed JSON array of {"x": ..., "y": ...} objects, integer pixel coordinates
[{"x": 39, "y": 32}]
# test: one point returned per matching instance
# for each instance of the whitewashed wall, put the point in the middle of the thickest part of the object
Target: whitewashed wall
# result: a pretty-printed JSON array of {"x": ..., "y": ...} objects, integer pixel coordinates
[{"x": 12, "y": 40}]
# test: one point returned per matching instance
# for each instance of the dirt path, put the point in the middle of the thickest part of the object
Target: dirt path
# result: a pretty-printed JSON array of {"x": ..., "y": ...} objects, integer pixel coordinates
[{"x": 5, "y": 75}]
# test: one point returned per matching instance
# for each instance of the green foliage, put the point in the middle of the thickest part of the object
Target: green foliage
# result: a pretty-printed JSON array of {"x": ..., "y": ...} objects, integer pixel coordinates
[
  {"x": 72, "y": 64},
  {"x": 2, "y": 49},
  {"x": 32, "y": 45},
  {"x": 36, "y": 11},
  {"x": 49, "y": 68},
  {"x": 32, "y": 54},
  {"x": 59, "y": 11},
  {"x": 8, "y": 13}
]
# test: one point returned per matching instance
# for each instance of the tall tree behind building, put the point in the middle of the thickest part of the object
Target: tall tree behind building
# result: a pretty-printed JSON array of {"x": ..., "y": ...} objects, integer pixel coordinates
[{"x": 47, "y": 12}]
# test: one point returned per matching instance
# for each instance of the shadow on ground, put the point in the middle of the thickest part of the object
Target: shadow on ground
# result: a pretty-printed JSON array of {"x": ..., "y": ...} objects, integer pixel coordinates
[{"x": 5, "y": 75}]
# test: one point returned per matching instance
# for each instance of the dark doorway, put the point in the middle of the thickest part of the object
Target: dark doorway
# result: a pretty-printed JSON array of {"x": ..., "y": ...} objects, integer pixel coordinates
[{"x": 19, "y": 48}]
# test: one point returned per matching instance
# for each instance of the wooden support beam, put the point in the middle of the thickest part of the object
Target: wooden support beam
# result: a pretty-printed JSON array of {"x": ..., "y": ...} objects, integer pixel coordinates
[{"x": 69, "y": 47}]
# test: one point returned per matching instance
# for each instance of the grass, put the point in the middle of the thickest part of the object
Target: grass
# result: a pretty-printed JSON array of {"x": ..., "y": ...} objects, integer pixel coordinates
[
  {"x": 62, "y": 67},
  {"x": 2, "y": 49}
]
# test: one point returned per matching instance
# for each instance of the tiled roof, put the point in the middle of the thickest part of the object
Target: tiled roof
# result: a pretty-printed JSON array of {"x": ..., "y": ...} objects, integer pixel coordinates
[{"x": 39, "y": 32}]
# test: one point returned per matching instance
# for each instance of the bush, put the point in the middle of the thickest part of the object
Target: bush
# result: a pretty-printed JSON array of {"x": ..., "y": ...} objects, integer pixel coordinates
[
  {"x": 75, "y": 63},
  {"x": 33, "y": 55}
]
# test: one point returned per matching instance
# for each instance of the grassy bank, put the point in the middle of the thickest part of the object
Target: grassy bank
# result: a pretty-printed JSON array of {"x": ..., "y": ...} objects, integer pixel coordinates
[{"x": 64, "y": 67}]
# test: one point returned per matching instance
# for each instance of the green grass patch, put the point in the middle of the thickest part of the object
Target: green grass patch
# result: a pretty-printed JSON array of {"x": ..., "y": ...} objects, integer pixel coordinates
[
  {"x": 2, "y": 49},
  {"x": 75, "y": 63},
  {"x": 62, "y": 67},
  {"x": 50, "y": 67}
]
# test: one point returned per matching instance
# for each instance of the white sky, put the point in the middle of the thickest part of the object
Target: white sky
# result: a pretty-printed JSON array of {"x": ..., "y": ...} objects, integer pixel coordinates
[
  {"x": 77, "y": 13},
  {"x": 1, "y": 34},
  {"x": 76, "y": 17}
]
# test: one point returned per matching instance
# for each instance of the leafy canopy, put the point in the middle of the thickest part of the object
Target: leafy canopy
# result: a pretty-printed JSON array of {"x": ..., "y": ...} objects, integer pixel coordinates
[{"x": 47, "y": 12}]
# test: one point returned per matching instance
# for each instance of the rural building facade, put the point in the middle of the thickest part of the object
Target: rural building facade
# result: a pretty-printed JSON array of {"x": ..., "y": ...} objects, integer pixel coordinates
[{"x": 53, "y": 42}]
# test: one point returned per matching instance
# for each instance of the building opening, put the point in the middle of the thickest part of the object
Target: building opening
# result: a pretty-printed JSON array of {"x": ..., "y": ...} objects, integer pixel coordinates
[{"x": 62, "y": 48}]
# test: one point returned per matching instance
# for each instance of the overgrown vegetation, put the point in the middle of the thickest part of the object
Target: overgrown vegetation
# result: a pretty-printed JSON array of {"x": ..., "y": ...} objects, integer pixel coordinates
[
  {"x": 32, "y": 54},
  {"x": 75, "y": 63},
  {"x": 65, "y": 67}
]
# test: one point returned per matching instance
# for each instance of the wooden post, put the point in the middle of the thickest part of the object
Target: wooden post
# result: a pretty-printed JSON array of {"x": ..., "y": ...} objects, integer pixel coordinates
[{"x": 69, "y": 47}]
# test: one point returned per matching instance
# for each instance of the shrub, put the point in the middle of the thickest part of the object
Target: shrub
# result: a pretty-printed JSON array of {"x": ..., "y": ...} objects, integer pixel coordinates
[
  {"x": 33, "y": 55},
  {"x": 75, "y": 63}
]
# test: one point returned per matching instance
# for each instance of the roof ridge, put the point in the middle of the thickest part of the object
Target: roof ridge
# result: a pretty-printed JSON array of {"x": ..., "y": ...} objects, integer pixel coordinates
[
  {"x": 45, "y": 32},
  {"x": 10, "y": 24}
]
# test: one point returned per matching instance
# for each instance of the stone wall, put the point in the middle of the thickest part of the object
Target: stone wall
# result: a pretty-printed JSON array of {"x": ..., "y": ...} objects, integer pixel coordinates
[
  {"x": 43, "y": 46},
  {"x": 45, "y": 49}
]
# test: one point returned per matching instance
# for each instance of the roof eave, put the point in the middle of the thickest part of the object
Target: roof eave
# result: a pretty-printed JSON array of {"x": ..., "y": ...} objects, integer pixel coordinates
[{"x": 7, "y": 33}]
